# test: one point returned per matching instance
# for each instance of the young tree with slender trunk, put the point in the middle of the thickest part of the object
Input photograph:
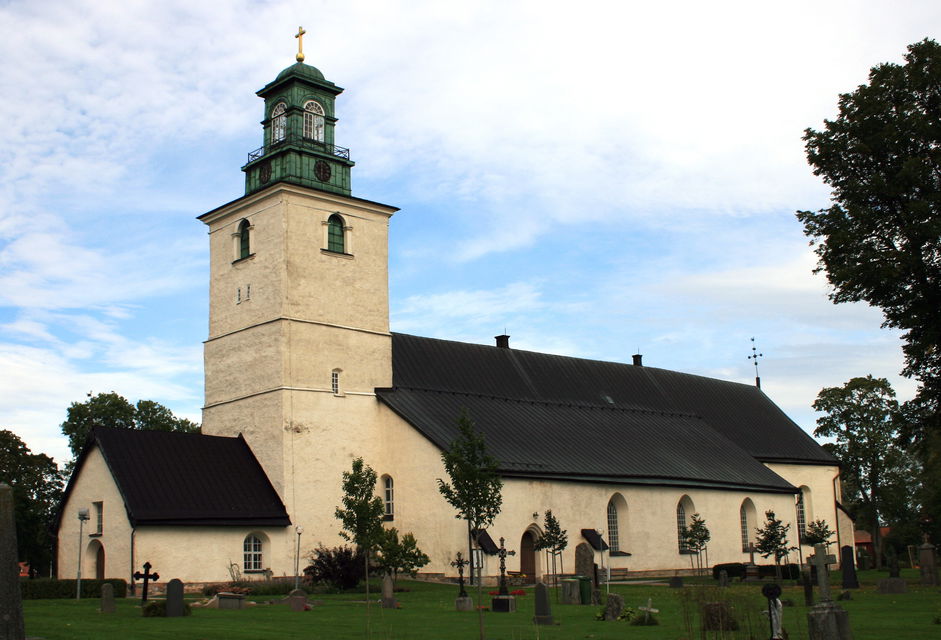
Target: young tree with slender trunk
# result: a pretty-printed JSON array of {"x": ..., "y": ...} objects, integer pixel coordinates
[{"x": 474, "y": 489}]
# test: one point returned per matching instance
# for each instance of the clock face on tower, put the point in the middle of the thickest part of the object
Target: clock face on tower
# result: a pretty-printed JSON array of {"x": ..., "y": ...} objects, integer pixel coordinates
[
  {"x": 322, "y": 170},
  {"x": 264, "y": 173}
]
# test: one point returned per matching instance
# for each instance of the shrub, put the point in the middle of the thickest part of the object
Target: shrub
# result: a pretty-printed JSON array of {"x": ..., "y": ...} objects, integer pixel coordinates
[
  {"x": 340, "y": 567},
  {"x": 158, "y": 609},
  {"x": 47, "y": 588},
  {"x": 733, "y": 569}
]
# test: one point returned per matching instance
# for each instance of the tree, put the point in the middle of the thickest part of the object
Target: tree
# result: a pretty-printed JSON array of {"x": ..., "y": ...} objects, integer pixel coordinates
[
  {"x": 399, "y": 556},
  {"x": 696, "y": 536},
  {"x": 37, "y": 489},
  {"x": 772, "y": 540},
  {"x": 553, "y": 541},
  {"x": 113, "y": 410},
  {"x": 862, "y": 418},
  {"x": 818, "y": 532},
  {"x": 880, "y": 240},
  {"x": 474, "y": 489},
  {"x": 361, "y": 515}
]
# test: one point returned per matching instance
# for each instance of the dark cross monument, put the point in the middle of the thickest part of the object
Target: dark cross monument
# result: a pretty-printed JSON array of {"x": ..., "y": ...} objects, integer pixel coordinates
[
  {"x": 459, "y": 563},
  {"x": 848, "y": 567},
  {"x": 146, "y": 576},
  {"x": 826, "y": 620},
  {"x": 503, "y": 602},
  {"x": 502, "y": 554},
  {"x": 11, "y": 607}
]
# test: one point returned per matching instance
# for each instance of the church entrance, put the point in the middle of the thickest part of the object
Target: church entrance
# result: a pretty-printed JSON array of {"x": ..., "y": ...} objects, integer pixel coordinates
[
  {"x": 100, "y": 563},
  {"x": 528, "y": 556}
]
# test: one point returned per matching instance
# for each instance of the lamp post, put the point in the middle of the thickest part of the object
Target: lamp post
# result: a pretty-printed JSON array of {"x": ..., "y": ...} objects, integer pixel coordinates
[
  {"x": 82, "y": 517},
  {"x": 297, "y": 556}
]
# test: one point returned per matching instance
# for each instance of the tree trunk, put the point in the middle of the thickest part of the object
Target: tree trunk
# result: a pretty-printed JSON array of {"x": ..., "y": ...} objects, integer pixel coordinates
[{"x": 366, "y": 556}]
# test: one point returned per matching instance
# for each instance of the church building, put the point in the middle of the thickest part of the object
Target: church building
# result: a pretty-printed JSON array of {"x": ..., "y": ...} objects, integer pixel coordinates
[{"x": 303, "y": 375}]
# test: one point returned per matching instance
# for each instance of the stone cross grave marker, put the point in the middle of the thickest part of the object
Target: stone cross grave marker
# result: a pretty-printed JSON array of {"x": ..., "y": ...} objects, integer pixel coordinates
[
  {"x": 11, "y": 606},
  {"x": 107, "y": 598},
  {"x": 848, "y": 566},
  {"x": 543, "y": 609},
  {"x": 146, "y": 576},
  {"x": 821, "y": 560},
  {"x": 502, "y": 554},
  {"x": 175, "y": 608},
  {"x": 751, "y": 569},
  {"x": 648, "y": 610}
]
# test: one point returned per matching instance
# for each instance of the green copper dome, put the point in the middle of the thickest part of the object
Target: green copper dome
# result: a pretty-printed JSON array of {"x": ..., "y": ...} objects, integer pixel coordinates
[{"x": 301, "y": 70}]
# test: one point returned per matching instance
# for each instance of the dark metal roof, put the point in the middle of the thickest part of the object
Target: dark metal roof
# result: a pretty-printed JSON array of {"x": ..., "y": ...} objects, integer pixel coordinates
[
  {"x": 187, "y": 479},
  {"x": 569, "y": 418}
]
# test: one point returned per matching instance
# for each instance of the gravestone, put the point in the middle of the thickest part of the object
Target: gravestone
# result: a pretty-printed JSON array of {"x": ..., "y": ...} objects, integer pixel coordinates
[
  {"x": 503, "y": 604},
  {"x": 297, "y": 600},
  {"x": 827, "y": 620},
  {"x": 146, "y": 576},
  {"x": 614, "y": 607},
  {"x": 543, "y": 609},
  {"x": 11, "y": 606},
  {"x": 464, "y": 603},
  {"x": 847, "y": 566},
  {"x": 595, "y": 597},
  {"x": 723, "y": 578},
  {"x": 226, "y": 600},
  {"x": 571, "y": 594},
  {"x": 175, "y": 607},
  {"x": 107, "y": 598},
  {"x": 717, "y": 616},
  {"x": 928, "y": 564},
  {"x": 648, "y": 610},
  {"x": 676, "y": 582},
  {"x": 894, "y": 583},
  {"x": 585, "y": 561},
  {"x": 388, "y": 599}
]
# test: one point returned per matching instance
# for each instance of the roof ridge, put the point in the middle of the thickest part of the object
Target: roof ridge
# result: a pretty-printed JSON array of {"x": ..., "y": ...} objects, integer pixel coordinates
[{"x": 621, "y": 408}]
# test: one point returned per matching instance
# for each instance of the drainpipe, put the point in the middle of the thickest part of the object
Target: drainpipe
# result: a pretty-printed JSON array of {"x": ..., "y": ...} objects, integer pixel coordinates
[{"x": 131, "y": 581}]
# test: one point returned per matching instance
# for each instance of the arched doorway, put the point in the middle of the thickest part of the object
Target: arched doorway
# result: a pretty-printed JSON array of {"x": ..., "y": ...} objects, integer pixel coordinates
[
  {"x": 528, "y": 555},
  {"x": 95, "y": 552}
]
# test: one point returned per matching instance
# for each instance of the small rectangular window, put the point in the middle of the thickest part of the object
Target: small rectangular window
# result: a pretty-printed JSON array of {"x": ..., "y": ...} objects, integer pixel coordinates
[
  {"x": 99, "y": 516},
  {"x": 335, "y": 382}
]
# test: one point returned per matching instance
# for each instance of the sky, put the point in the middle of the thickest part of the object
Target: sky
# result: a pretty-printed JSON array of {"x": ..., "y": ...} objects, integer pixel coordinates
[{"x": 594, "y": 179}]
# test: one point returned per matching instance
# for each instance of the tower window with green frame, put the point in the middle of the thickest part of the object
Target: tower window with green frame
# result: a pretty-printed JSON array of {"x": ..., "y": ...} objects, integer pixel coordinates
[
  {"x": 244, "y": 240},
  {"x": 279, "y": 123},
  {"x": 336, "y": 241},
  {"x": 313, "y": 121}
]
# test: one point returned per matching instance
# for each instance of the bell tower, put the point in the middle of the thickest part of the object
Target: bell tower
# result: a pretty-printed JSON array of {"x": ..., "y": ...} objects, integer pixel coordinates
[
  {"x": 299, "y": 133},
  {"x": 299, "y": 303}
]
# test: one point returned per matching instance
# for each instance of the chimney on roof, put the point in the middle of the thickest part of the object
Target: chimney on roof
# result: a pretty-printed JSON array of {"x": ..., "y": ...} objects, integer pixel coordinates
[
  {"x": 503, "y": 341},
  {"x": 638, "y": 360}
]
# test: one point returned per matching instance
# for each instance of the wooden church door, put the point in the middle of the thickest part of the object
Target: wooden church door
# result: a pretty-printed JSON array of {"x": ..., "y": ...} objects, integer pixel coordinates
[{"x": 528, "y": 556}]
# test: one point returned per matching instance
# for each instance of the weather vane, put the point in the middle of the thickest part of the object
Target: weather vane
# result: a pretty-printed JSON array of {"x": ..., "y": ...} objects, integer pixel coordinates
[
  {"x": 754, "y": 357},
  {"x": 300, "y": 44}
]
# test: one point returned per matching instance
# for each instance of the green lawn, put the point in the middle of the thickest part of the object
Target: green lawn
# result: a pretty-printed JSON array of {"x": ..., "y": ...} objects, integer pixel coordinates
[{"x": 428, "y": 613}]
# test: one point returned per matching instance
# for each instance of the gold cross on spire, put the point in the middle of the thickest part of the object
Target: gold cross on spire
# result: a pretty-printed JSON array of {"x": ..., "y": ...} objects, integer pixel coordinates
[{"x": 300, "y": 44}]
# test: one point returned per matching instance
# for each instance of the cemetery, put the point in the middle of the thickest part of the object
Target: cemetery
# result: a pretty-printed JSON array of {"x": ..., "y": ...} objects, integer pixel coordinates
[{"x": 700, "y": 609}]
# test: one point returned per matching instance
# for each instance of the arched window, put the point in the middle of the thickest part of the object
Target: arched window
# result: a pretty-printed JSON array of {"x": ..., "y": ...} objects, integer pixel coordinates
[
  {"x": 613, "y": 540},
  {"x": 279, "y": 123},
  {"x": 801, "y": 515},
  {"x": 245, "y": 239},
  {"x": 251, "y": 553},
  {"x": 747, "y": 515},
  {"x": 684, "y": 506},
  {"x": 313, "y": 121},
  {"x": 335, "y": 240},
  {"x": 388, "y": 498}
]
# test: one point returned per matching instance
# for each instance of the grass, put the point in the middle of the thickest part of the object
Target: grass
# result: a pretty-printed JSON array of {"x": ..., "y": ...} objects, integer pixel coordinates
[{"x": 428, "y": 613}]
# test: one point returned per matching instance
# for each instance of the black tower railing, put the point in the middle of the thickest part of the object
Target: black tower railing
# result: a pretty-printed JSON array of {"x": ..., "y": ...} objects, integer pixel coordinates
[{"x": 300, "y": 141}]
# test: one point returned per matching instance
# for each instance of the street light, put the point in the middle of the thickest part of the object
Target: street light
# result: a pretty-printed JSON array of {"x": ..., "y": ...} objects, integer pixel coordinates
[
  {"x": 297, "y": 556},
  {"x": 82, "y": 517}
]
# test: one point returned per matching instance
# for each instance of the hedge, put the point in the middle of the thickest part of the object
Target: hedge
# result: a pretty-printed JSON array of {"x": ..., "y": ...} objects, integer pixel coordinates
[
  {"x": 47, "y": 588},
  {"x": 737, "y": 570}
]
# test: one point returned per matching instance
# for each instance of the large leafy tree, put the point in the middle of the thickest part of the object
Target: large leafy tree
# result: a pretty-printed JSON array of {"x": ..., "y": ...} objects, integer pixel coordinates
[
  {"x": 880, "y": 240},
  {"x": 862, "y": 420},
  {"x": 475, "y": 488},
  {"x": 37, "y": 488},
  {"x": 114, "y": 410}
]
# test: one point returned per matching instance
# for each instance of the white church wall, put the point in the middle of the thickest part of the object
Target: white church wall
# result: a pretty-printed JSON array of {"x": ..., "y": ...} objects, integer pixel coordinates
[{"x": 93, "y": 485}]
